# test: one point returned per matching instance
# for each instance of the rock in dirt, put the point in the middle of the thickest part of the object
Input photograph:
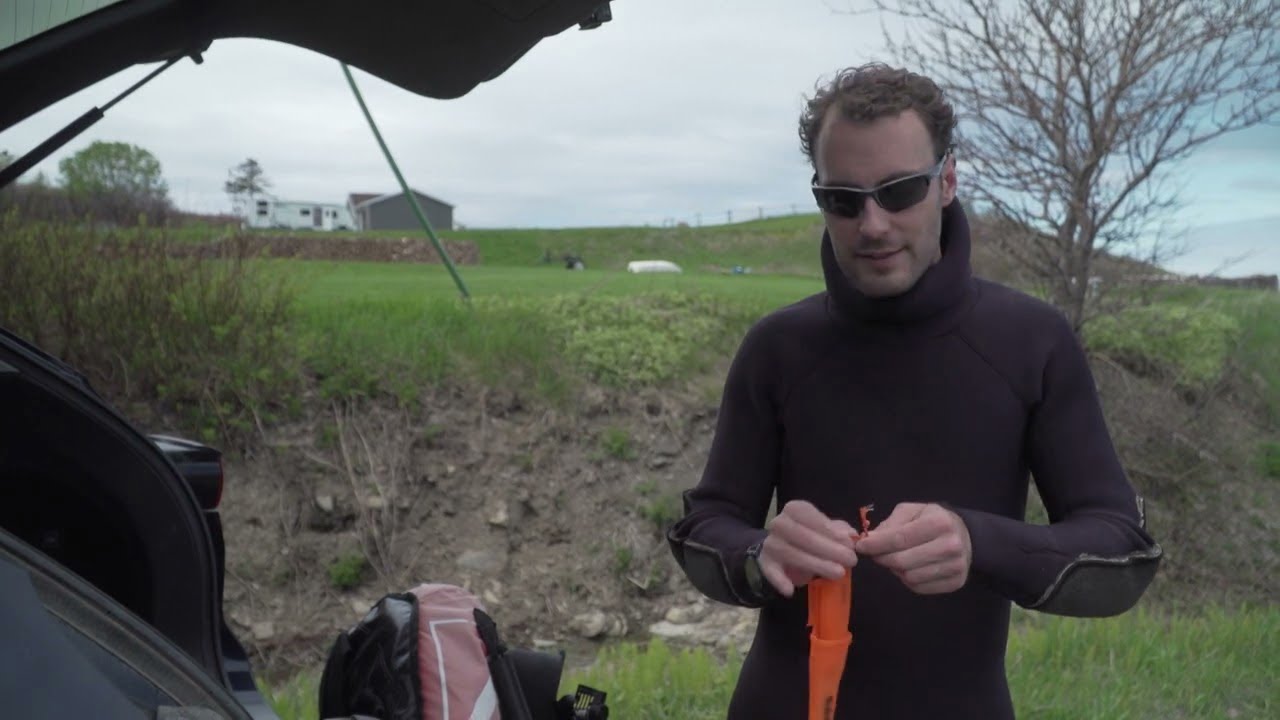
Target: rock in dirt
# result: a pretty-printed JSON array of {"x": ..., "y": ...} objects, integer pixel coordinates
[
  {"x": 668, "y": 445},
  {"x": 590, "y": 624},
  {"x": 683, "y": 615},
  {"x": 325, "y": 503},
  {"x": 657, "y": 462},
  {"x": 484, "y": 561},
  {"x": 497, "y": 514},
  {"x": 699, "y": 624},
  {"x": 263, "y": 630},
  {"x": 672, "y": 631}
]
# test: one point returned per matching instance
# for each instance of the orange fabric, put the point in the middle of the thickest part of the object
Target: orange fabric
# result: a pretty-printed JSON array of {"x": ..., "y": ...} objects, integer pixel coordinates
[{"x": 830, "y": 612}]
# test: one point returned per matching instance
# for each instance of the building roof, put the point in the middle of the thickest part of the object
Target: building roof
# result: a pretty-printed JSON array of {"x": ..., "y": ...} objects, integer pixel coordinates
[{"x": 359, "y": 200}]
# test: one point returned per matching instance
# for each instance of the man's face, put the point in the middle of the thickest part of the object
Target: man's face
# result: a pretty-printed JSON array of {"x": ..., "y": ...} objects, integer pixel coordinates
[{"x": 883, "y": 253}]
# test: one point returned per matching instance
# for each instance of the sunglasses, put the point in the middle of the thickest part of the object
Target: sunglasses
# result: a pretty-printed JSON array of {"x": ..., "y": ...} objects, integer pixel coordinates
[{"x": 894, "y": 196}]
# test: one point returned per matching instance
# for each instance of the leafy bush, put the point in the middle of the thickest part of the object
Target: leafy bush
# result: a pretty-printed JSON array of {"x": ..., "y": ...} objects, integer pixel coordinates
[
  {"x": 347, "y": 572},
  {"x": 206, "y": 336},
  {"x": 645, "y": 339},
  {"x": 616, "y": 443},
  {"x": 1188, "y": 345}
]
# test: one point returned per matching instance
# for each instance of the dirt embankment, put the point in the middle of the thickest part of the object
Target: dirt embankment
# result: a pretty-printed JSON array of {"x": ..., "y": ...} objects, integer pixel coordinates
[
  {"x": 552, "y": 516},
  {"x": 321, "y": 247}
]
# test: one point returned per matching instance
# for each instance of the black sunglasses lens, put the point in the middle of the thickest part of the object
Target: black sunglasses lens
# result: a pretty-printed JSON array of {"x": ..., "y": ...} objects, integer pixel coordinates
[
  {"x": 903, "y": 194},
  {"x": 838, "y": 201}
]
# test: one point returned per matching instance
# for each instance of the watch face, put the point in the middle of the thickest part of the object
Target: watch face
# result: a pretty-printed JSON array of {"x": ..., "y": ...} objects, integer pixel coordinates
[{"x": 754, "y": 578}]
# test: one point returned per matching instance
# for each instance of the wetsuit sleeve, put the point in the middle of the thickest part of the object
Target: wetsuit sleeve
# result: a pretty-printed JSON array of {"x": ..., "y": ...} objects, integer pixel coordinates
[
  {"x": 1095, "y": 558},
  {"x": 724, "y": 514}
]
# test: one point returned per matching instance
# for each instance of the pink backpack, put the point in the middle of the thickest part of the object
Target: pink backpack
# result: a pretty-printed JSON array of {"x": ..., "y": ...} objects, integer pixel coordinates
[{"x": 433, "y": 653}]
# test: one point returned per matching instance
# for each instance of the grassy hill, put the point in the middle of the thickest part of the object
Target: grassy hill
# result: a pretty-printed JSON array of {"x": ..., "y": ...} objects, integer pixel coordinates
[{"x": 780, "y": 245}]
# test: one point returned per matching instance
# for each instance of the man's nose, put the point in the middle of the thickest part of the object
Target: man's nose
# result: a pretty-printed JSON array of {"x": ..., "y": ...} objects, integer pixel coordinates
[{"x": 874, "y": 219}]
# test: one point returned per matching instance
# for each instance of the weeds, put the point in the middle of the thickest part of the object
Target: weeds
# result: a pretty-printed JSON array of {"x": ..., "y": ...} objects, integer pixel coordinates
[
  {"x": 616, "y": 443},
  {"x": 205, "y": 337},
  {"x": 1187, "y": 345},
  {"x": 1269, "y": 460},
  {"x": 661, "y": 511},
  {"x": 623, "y": 556},
  {"x": 1216, "y": 664},
  {"x": 375, "y": 458},
  {"x": 347, "y": 572}
]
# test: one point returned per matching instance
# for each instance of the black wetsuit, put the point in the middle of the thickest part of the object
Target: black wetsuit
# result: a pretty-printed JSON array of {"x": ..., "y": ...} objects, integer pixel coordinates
[{"x": 955, "y": 392}]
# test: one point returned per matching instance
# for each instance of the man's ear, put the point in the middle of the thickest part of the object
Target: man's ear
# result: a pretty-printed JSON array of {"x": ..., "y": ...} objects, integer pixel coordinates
[{"x": 948, "y": 179}]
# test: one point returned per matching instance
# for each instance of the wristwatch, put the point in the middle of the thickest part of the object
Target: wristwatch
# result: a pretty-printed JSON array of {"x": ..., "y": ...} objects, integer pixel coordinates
[{"x": 759, "y": 584}]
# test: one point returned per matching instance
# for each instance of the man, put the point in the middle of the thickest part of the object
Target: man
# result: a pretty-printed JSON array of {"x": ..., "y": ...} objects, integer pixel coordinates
[{"x": 911, "y": 385}]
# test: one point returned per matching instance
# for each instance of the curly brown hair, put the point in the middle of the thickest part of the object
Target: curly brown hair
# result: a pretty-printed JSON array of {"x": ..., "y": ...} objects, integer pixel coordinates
[{"x": 875, "y": 90}]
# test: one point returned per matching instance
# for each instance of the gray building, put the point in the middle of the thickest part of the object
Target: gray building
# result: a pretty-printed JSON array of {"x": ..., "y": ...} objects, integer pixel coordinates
[{"x": 393, "y": 211}]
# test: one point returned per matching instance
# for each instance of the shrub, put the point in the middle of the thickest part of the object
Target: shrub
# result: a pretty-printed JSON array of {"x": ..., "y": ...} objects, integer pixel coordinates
[
  {"x": 206, "y": 336},
  {"x": 662, "y": 510},
  {"x": 1188, "y": 345},
  {"x": 347, "y": 572},
  {"x": 616, "y": 443}
]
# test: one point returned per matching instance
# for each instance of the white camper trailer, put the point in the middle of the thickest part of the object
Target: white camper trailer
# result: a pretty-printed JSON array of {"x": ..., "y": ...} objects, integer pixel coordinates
[{"x": 269, "y": 212}]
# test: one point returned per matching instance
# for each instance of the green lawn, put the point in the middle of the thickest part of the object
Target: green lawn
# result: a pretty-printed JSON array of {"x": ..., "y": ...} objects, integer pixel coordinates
[
  {"x": 323, "y": 284},
  {"x": 369, "y": 328},
  {"x": 1139, "y": 666}
]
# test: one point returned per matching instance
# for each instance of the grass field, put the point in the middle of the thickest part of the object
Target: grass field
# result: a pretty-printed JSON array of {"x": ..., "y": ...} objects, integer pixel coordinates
[
  {"x": 780, "y": 245},
  {"x": 410, "y": 316},
  {"x": 327, "y": 284},
  {"x": 369, "y": 328},
  {"x": 1139, "y": 666}
]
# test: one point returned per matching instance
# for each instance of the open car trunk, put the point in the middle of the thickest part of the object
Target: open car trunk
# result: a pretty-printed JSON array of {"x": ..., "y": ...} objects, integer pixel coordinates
[
  {"x": 89, "y": 495},
  {"x": 72, "y": 652},
  {"x": 435, "y": 48}
]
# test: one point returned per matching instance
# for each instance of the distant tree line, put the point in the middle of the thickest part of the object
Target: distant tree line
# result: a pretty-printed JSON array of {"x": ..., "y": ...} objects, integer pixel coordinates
[{"x": 108, "y": 182}]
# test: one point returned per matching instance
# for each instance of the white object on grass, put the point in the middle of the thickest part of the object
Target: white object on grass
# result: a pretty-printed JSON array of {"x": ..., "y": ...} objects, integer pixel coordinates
[{"x": 653, "y": 266}]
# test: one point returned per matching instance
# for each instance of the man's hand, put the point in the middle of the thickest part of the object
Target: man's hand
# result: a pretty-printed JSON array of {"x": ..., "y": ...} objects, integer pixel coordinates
[
  {"x": 803, "y": 544},
  {"x": 926, "y": 546}
]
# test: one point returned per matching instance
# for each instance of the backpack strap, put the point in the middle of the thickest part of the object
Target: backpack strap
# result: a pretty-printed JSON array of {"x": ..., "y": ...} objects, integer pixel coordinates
[{"x": 506, "y": 683}]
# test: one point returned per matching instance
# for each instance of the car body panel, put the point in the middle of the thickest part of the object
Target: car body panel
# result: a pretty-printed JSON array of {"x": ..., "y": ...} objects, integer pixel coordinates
[{"x": 434, "y": 48}]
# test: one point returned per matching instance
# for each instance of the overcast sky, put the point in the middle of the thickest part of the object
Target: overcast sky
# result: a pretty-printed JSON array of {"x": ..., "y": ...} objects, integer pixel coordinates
[{"x": 675, "y": 110}]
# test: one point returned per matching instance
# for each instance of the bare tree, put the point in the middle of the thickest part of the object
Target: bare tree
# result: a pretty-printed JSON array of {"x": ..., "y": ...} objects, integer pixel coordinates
[
  {"x": 1072, "y": 112},
  {"x": 245, "y": 182}
]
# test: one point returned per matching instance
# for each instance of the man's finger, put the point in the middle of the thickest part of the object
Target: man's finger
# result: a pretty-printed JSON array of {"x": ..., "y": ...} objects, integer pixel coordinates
[
  {"x": 943, "y": 548},
  {"x": 842, "y": 529},
  {"x": 804, "y": 513},
  {"x": 805, "y": 527},
  {"x": 800, "y": 560},
  {"x": 819, "y": 542},
  {"x": 934, "y": 579},
  {"x": 774, "y": 574}
]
